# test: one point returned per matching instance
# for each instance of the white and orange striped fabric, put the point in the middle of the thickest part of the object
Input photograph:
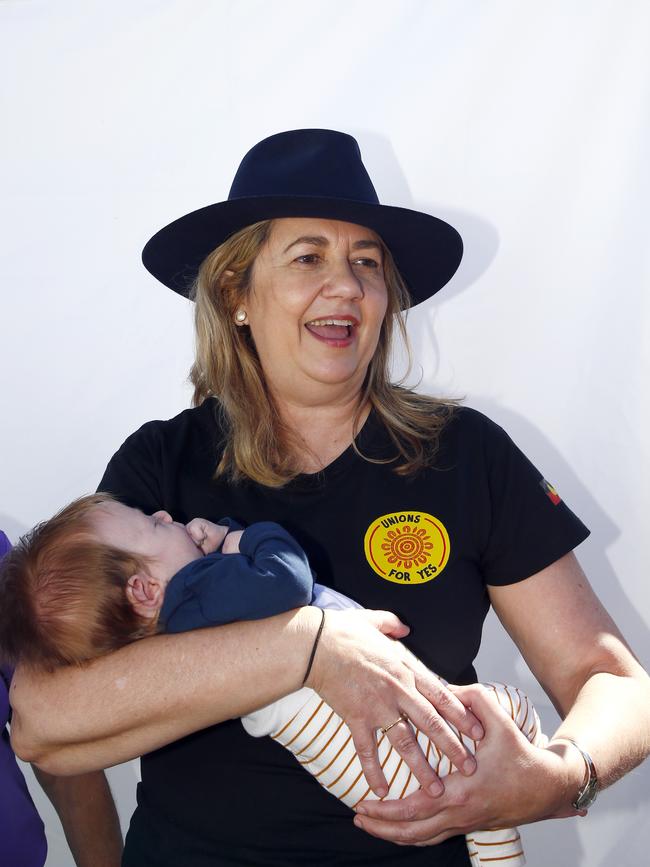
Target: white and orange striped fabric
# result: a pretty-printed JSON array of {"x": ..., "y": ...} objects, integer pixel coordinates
[{"x": 322, "y": 744}]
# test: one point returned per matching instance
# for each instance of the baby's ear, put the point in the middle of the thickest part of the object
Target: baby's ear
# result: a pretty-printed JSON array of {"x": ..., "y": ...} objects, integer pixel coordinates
[{"x": 145, "y": 594}]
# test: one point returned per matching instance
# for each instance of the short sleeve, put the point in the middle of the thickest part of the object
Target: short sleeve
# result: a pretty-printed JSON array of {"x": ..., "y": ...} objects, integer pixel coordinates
[
  {"x": 530, "y": 526},
  {"x": 134, "y": 473}
]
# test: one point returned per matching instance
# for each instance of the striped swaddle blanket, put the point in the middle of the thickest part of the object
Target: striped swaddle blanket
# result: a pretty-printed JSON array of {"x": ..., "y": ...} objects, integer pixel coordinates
[{"x": 322, "y": 744}]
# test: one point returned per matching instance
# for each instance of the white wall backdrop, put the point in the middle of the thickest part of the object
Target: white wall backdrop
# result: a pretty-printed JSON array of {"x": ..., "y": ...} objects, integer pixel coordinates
[{"x": 526, "y": 125}]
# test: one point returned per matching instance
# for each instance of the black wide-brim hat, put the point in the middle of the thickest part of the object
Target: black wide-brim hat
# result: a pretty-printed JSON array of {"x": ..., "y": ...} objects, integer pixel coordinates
[{"x": 307, "y": 173}]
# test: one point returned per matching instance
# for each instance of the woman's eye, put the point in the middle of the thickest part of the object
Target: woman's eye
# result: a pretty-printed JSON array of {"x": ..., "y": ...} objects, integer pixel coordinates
[
  {"x": 308, "y": 259},
  {"x": 366, "y": 262}
]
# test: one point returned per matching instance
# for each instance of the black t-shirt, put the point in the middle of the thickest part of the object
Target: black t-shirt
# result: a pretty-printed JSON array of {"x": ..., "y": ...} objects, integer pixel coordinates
[{"x": 424, "y": 547}]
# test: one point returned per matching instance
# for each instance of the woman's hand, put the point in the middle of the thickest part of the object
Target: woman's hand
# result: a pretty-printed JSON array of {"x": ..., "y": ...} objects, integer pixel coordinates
[
  {"x": 515, "y": 783},
  {"x": 370, "y": 681}
]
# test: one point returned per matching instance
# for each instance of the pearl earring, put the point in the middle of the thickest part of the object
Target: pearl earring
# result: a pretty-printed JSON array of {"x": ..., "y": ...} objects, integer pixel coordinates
[{"x": 240, "y": 316}]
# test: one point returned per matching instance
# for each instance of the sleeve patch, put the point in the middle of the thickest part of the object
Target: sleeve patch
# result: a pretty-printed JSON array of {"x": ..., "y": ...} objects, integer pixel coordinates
[{"x": 550, "y": 492}]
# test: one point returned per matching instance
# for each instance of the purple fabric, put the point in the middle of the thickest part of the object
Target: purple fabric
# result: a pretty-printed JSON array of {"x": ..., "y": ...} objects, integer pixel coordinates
[{"x": 22, "y": 836}]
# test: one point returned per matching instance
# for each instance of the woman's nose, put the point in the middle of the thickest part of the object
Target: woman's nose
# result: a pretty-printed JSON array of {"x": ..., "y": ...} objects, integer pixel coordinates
[{"x": 342, "y": 282}]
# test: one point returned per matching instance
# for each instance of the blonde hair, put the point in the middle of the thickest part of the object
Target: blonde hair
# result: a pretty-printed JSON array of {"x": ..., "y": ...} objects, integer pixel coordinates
[{"x": 257, "y": 444}]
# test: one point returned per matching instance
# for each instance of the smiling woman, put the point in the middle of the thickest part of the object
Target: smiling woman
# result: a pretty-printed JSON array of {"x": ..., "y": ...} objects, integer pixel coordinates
[{"x": 296, "y": 279}]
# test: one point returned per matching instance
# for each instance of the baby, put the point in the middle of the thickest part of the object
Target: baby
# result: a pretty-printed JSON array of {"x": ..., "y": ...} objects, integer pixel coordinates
[{"x": 100, "y": 575}]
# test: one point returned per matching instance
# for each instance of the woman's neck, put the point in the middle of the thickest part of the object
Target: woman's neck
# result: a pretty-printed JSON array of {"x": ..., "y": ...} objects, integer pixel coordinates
[{"x": 324, "y": 431}]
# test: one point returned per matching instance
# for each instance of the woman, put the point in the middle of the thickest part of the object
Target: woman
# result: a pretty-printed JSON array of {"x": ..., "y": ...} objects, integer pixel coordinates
[{"x": 401, "y": 502}]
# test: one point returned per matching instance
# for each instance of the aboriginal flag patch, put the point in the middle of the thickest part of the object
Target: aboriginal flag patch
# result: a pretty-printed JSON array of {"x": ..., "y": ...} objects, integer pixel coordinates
[{"x": 550, "y": 492}]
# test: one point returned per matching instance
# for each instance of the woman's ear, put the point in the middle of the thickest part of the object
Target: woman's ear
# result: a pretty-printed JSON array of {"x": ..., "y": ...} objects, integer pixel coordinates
[{"x": 145, "y": 594}]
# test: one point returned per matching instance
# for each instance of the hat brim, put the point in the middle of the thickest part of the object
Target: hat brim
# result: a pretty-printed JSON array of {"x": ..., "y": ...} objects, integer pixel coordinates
[{"x": 427, "y": 251}]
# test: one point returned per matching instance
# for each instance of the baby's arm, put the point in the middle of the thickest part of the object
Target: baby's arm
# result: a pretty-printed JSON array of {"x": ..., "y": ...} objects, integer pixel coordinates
[{"x": 270, "y": 575}]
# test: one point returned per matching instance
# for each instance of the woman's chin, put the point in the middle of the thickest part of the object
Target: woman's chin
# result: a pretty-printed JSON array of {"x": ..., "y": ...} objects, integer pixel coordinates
[{"x": 338, "y": 375}]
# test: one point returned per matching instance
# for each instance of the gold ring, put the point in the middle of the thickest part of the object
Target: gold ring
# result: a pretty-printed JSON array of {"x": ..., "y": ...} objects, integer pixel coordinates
[{"x": 400, "y": 719}]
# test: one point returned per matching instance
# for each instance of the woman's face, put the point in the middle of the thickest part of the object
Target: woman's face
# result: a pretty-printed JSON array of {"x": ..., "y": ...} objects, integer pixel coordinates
[{"x": 316, "y": 305}]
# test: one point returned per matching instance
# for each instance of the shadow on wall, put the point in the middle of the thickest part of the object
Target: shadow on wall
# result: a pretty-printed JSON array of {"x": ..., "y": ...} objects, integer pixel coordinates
[
  {"x": 480, "y": 238},
  {"x": 481, "y": 241}
]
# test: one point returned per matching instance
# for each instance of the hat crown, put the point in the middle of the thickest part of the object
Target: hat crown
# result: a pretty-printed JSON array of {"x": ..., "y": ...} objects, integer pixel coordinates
[{"x": 318, "y": 163}]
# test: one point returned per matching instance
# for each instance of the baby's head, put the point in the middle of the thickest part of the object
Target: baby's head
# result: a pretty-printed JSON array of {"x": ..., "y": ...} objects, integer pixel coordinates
[{"x": 89, "y": 580}]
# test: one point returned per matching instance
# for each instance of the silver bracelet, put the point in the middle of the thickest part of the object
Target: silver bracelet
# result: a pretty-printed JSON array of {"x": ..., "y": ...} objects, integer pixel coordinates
[{"x": 588, "y": 791}]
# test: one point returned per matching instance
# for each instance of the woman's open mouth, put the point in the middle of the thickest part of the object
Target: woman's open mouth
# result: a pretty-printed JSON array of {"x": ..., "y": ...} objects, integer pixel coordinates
[{"x": 338, "y": 332}]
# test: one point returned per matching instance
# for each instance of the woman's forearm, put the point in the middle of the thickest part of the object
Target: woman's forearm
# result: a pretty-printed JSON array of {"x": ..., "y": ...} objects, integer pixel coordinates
[
  {"x": 610, "y": 719},
  {"x": 160, "y": 689},
  {"x": 579, "y": 656},
  {"x": 156, "y": 691}
]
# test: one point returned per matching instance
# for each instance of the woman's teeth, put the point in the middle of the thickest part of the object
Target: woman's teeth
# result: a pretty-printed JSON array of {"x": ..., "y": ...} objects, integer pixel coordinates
[
  {"x": 330, "y": 322},
  {"x": 335, "y": 329}
]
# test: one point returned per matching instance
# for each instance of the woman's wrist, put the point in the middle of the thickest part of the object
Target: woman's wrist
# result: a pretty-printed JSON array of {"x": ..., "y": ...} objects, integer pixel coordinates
[
  {"x": 571, "y": 770},
  {"x": 311, "y": 625},
  {"x": 314, "y": 647},
  {"x": 589, "y": 785}
]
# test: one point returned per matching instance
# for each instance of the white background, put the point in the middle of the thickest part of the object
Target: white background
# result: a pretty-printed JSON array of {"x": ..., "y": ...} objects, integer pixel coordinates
[{"x": 526, "y": 125}]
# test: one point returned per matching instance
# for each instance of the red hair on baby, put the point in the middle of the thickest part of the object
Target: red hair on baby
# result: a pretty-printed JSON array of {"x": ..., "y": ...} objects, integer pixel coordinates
[{"x": 63, "y": 593}]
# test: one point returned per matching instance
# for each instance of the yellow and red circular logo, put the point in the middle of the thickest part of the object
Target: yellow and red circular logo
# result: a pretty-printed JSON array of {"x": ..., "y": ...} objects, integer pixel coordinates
[{"x": 407, "y": 547}]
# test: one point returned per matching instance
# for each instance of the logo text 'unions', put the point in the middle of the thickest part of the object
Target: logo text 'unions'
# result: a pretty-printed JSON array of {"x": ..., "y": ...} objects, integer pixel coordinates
[{"x": 400, "y": 518}]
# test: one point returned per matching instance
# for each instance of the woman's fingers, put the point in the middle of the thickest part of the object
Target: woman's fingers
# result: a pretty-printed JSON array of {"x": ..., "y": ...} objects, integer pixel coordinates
[
  {"x": 417, "y": 820},
  {"x": 444, "y": 739},
  {"x": 387, "y": 623},
  {"x": 434, "y": 709},
  {"x": 410, "y": 834},
  {"x": 447, "y": 699},
  {"x": 366, "y": 748},
  {"x": 403, "y": 740}
]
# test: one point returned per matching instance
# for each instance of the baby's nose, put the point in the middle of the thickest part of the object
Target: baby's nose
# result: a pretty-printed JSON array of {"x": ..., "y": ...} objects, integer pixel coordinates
[{"x": 162, "y": 515}]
